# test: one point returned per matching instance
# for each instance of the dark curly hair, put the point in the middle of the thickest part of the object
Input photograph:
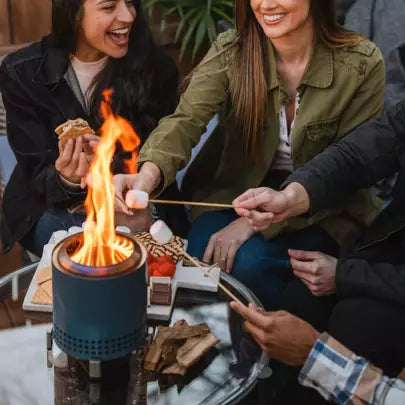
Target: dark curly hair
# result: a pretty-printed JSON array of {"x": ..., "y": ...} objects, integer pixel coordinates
[{"x": 144, "y": 82}]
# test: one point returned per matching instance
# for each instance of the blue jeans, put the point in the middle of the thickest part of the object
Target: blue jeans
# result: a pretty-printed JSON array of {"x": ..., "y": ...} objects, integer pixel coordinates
[
  {"x": 52, "y": 220},
  {"x": 263, "y": 266}
]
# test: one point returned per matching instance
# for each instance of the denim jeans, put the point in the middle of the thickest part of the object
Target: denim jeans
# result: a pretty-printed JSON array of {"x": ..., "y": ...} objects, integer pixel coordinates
[
  {"x": 263, "y": 266},
  {"x": 52, "y": 220}
]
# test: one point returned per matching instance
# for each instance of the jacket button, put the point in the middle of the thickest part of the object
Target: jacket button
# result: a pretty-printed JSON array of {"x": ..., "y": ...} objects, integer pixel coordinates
[{"x": 28, "y": 218}]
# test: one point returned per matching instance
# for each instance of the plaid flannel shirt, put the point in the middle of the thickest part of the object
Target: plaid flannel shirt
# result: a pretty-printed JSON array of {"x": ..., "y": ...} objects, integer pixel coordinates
[{"x": 341, "y": 376}]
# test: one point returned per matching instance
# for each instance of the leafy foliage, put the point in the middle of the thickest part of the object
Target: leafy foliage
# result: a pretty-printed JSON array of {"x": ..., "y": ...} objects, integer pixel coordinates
[{"x": 198, "y": 19}]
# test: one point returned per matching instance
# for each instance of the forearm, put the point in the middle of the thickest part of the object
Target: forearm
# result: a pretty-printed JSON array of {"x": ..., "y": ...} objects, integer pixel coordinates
[
  {"x": 297, "y": 199},
  {"x": 341, "y": 376}
]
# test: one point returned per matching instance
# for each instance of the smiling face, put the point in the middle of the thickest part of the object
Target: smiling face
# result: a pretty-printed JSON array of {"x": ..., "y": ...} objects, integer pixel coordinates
[
  {"x": 104, "y": 29},
  {"x": 282, "y": 17}
]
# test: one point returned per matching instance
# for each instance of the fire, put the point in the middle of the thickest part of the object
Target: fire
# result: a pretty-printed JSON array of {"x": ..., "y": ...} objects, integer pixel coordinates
[{"x": 101, "y": 245}]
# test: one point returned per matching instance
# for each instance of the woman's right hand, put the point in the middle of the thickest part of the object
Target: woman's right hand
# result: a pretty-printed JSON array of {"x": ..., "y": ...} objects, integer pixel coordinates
[
  {"x": 148, "y": 179},
  {"x": 72, "y": 163}
]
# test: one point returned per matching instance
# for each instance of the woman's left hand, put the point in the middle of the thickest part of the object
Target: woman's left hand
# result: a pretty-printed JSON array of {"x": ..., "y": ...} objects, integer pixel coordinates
[
  {"x": 316, "y": 270},
  {"x": 223, "y": 245}
]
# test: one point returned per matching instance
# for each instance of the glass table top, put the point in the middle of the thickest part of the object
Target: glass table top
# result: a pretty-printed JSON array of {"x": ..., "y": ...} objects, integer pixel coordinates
[{"x": 224, "y": 375}]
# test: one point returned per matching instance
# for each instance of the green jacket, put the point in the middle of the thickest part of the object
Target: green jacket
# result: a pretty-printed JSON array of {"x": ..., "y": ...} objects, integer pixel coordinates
[{"x": 340, "y": 89}]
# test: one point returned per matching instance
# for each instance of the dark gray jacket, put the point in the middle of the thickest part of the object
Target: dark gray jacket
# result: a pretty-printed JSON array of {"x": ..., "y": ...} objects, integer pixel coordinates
[{"x": 371, "y": 152}]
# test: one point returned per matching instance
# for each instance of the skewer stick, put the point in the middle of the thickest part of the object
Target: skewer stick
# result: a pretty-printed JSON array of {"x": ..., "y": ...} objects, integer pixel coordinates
[
  {"x": 208, "y": 273},
  {"x": 193, "y": 203}
]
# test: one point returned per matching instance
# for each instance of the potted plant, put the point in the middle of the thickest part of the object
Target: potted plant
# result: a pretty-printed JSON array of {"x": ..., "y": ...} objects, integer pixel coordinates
[{"x": 197, "y": 20}]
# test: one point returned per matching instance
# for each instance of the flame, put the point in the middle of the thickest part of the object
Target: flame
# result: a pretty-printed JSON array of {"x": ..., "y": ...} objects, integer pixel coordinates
[{"x": 101, "y": 246}]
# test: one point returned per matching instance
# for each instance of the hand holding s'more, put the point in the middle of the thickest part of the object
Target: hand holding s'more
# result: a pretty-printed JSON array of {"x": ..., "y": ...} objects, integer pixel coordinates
[{"x": 76, "y": 143}]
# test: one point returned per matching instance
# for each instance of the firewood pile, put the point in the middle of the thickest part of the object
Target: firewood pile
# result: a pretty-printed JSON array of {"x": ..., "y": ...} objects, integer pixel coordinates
[{"x": 175, "y": 349}]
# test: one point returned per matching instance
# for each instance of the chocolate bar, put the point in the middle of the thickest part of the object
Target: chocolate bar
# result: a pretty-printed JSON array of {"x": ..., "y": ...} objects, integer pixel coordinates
[{"x": 158, "y": 298}]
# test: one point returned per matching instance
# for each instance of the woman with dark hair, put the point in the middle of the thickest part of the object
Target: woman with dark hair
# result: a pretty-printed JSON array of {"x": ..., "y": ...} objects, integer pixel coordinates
[
  {"x": 286, "y": 83},
  {"x": 94, "y": 45}
]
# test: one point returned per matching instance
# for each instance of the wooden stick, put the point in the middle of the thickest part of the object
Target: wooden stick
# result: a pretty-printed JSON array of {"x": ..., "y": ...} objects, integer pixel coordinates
[
  {"x": 207, "y": 273},
  {"x": 193, "y": 203}
]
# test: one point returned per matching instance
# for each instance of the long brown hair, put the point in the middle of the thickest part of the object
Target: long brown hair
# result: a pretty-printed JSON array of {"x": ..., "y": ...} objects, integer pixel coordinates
[{"x": 248, "y": 85}]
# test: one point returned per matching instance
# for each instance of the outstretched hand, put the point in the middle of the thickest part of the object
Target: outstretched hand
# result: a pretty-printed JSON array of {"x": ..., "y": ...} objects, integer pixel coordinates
[
  {"x": 282, "y": 336},
  {"x": 262, "y": 206}
]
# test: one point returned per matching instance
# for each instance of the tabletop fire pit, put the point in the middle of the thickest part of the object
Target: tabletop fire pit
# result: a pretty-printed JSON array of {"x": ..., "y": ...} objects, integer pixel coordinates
[{"x": 99, "y": 313}]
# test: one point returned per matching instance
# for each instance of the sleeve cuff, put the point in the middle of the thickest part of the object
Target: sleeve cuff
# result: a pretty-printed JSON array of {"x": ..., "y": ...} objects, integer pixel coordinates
[
  {"x": 159, "y": 159},
  {"x": 338, "y": 374},
  {"x": 311, "y": 188}
]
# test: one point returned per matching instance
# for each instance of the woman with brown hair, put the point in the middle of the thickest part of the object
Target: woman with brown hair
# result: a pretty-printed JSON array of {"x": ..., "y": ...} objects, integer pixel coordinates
[{"x": 286, "y": 83}]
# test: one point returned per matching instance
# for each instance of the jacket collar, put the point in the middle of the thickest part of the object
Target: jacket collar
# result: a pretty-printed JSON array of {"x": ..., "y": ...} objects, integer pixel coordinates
[
  {"x": 318, "y": 73},
  {"x": 53, "y": 65}
]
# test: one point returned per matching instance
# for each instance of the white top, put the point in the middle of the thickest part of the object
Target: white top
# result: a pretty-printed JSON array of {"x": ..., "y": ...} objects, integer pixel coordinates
[
  {"x": 282, "y": 159},
  {"x": 86, "y": 72}
]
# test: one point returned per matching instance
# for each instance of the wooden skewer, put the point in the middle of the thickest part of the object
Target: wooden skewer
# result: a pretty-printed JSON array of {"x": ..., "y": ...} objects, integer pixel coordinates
[
  {"x": 208, "y": 273},
  {"x": 193, "y": 203}
]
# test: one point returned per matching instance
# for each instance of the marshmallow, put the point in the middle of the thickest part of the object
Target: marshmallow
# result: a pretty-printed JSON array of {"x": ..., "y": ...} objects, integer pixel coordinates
[
  {"x": 137, "y": 199},
  {"x": 161, "y": 232},
  {"x": 74, "y": 230},
  {"x": 58, "y": 236},
  {"x": 123, "y": 229}
]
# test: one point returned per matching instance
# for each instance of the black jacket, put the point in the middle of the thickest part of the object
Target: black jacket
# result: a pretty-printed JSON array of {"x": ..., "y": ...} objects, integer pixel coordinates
[
  {"x": 371, "y": 152},
  {"x": 38, "y": 99}
]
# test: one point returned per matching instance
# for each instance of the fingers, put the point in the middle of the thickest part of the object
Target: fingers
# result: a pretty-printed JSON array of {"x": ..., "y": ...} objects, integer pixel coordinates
[
  {"x": 220, "y": 254},
  {"x": 254, "y": 317},
  {"x": 91, "y": 137},
  {"x": 260, "y": 220},
  {"x": 209, "y": 250},
  {"x": 83, "y": 166},
  {"x": 119, "y": 206},
  {"x": 120, "y": 184},
  {"x": 78, "y": 147},
  {"x": 90, "y": 144},
  {"x": 65, "y": 155},
  {"x": 305, "y": 267},
  {"x": 313, "y": 280},
  {"x": 256, "y": 200},
  {"x": 304, "y": 255},
  {"x": 248, "y": 195},
  {"x": 233, "y": 249}
]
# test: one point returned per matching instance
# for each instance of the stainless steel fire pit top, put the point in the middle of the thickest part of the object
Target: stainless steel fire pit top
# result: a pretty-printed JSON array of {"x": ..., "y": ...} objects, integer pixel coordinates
[{"x": 65, "y": 264}]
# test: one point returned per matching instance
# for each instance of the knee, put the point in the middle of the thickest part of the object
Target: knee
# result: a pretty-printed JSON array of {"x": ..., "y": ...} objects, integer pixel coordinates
[{"x": 202, "y": 229}]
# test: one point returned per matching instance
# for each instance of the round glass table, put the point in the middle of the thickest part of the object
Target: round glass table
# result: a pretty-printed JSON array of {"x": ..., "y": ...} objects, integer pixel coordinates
[{"x": 224, "y": 376}]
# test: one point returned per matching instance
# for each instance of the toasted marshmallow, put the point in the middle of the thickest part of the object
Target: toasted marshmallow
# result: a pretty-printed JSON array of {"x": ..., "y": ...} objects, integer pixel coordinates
[
  {"x": 161, "y": 232},
  {"x": 137, "y": 199}
]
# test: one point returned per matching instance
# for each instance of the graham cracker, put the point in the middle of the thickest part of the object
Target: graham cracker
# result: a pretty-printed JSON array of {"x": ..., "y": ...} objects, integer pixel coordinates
[
  {"x": 41, "y": 297},
  {"x": 78, "y": 128},
  {"x": 44, "y": 274}
]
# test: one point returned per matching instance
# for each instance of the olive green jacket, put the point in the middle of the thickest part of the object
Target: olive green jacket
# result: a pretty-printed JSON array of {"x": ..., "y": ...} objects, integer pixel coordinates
[{"x": 340, "y": 89}]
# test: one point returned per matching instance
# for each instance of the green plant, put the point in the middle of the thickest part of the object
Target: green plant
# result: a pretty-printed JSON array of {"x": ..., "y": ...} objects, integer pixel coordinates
[{"x": 198, "y": 19}]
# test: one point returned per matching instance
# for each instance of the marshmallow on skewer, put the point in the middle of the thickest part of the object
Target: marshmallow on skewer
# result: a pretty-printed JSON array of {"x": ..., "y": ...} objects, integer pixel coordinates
[
  {"x": 161, "y": 232},
  {"x": 137, "y": 199}
]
